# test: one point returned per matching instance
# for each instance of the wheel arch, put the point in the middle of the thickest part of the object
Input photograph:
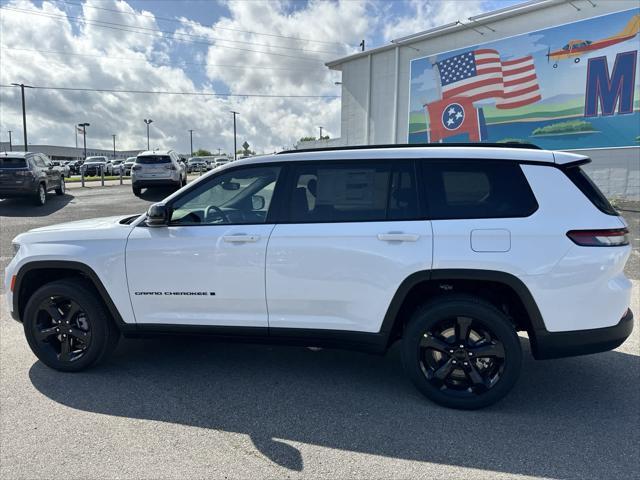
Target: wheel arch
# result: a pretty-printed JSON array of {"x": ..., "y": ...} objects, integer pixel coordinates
[
  {"x": 33, "y": 275},
  {"x": 502, "y": 289}
]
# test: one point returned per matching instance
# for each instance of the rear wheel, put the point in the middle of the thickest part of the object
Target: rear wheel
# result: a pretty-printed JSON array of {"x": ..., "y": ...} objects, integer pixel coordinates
[
  {"x": 41, "y": 195},
  {"x": 137, "y": 191},
  {"x": 67, "y": 326},
  {"x": 461, "y": 352},
  {"x": 61, "y": 189}
]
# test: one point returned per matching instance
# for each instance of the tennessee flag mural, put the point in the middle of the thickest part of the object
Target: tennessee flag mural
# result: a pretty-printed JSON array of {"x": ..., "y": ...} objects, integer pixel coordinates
[
  {"x": 453, "y": 117},
  {"x": 576, "y": 85}
]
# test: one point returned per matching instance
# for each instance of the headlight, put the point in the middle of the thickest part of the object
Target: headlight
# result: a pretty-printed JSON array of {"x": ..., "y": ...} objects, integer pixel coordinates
[{"x": 16, "y": 247}]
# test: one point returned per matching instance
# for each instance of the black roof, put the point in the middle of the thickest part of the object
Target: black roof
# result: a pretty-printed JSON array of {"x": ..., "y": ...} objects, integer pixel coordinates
[{"x": 529, "y": 146}]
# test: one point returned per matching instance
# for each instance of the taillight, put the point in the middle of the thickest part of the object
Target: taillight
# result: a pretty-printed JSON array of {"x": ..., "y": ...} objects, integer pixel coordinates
[
  {"x": 600, "y": 238},
  {"x": 135, "y": 167},
  {"x": 24, "y": 173},
  {"x": 170, "y": 167}
]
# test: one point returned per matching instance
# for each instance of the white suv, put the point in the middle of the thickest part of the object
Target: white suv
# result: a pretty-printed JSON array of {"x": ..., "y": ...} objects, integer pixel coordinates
[
  {"x": 157, "y": 169},
  {"x": 451, "y": 250}
]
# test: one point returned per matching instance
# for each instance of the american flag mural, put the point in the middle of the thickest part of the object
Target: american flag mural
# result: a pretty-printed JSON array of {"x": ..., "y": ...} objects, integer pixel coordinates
[{"x": 481, "y": 74}]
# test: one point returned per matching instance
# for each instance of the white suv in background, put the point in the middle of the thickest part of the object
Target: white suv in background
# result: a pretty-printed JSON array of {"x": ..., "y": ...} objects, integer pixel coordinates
[
  {"x": 451, "y": 250},
  {"x": 157, "y": 168}
]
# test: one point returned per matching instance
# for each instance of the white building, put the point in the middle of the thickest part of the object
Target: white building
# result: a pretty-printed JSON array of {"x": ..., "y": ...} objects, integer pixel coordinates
[{"x": 376, "y": 83}]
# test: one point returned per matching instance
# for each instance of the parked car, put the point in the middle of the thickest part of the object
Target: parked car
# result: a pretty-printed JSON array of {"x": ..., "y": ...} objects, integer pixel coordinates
[
  {"x": 117, "y": 165},
  {"x": 449, "y": 250},
  {"x": 219, "y": 161},
  {"x": 63, "y": 166},
  {"x": 157, "y": 168},
  {"x": 74, "y": 166},
  {"x": 94, "y": 166},
  {"x": 128, "y": 165},
  {"x": 27, "y": 174},
  {"x": 197, "y": 164}
]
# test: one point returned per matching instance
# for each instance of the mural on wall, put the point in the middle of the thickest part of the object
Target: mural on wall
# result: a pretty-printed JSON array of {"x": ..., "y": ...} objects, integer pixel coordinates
[{"x": 572, "y": 86}]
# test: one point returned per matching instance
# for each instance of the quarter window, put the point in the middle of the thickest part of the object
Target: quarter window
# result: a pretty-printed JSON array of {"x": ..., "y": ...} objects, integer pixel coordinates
[
  {"x": 477, "y": 189},
  {"x": 352, "y": 192},
  {"x": 241, "y": 196}
]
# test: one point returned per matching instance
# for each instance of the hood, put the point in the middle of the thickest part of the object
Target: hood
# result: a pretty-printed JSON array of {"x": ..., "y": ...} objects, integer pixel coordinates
[{"x": 90, "y": 224}]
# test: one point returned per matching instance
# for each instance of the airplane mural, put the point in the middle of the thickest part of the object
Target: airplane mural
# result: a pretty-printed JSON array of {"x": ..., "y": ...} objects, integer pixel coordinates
[{"x": 576, "y": 48}]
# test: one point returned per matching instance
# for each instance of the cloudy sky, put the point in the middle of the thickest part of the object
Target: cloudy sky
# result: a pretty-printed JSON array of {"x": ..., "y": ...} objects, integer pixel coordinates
[{"x": 269, "y": 54}]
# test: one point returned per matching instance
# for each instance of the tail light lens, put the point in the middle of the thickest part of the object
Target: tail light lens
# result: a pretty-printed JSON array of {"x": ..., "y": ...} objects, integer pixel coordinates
[
  {"x": 135, "y": 167},
  {"x": 600, "y": 238},
  {"x": 170, "y": 167},
  {"x": 24, "y": 173}
]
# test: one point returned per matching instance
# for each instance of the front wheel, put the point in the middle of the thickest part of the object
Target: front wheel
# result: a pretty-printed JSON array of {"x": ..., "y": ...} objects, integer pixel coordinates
[
  {"x": 67, "y": 327},
  {"x": 61, "y": 189},
  {"x": 461, "y": 352}
]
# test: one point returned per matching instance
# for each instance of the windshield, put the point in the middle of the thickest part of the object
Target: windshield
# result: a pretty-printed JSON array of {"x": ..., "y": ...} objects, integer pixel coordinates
[
  {"x": 9, "y": 162},
  {"x": 95, "y": 160},
  {"x": 150, "y": 159}
]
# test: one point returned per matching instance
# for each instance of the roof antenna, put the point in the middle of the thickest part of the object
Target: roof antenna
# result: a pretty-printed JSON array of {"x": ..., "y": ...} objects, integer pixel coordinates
[{"x": 361, "y": 45}]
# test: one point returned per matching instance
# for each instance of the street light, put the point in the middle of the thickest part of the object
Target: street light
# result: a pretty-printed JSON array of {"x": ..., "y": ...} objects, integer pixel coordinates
[
  {"x": 24, "y": 112},
  {"x": 235, "y": 148},
  {"x": 84, "y": 136},
  {"x": 148, "y": 122},
  {"x": 10, "y": 145},
  {"x": 114, "y": 144},
  {"x": 320, "y": 132},
  {"x": 191, "y": 141}
]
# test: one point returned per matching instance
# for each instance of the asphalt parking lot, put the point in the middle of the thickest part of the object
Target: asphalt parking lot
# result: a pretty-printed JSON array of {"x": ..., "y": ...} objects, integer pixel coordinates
[{"x": 194, "y": 408}]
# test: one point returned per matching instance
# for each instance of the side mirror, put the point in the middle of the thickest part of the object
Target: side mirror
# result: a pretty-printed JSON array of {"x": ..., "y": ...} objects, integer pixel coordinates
[
  {"x": 158, "y": 215},
  {"x": 257, "y": 202}
]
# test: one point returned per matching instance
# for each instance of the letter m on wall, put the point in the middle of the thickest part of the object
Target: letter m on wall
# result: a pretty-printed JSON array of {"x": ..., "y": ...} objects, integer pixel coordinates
[{"x": 609, "y": 91}]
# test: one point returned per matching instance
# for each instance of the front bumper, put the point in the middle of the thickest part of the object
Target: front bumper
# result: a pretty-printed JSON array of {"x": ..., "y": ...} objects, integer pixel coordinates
[{"x": 547, "y": 345}]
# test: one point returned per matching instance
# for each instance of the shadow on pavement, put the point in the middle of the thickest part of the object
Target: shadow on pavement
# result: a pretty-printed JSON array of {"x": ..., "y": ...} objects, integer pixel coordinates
[
  {"x": 567, "y": 418},
  {"x": 25, "y": 206}
]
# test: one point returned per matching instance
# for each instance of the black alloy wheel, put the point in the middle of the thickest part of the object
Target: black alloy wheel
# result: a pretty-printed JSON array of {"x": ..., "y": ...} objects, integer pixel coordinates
[
  {"x": 462, "y": 352},
  {"x": 68, "y": 327}
]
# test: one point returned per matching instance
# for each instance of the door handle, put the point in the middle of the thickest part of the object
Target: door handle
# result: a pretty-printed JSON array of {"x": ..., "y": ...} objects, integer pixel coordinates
[
  {"x": 241, "y": 238},
  {"x": 398, "y": 237}
]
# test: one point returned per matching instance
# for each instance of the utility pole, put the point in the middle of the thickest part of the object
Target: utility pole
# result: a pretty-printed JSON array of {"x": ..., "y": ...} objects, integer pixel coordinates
[
  {"x": 84, "y": 136},
  {"x": 148, "y": 122},
  {"x": 191, "y": 141},
  {"x": 235, "y": 147},
  {"x": 219, "y": 151},
  {"x": 320, "y": 132},
  {"x": 10, "y": 145},
  {"x": 114, "y": 145},
  {"x": 24, "y": 113}
]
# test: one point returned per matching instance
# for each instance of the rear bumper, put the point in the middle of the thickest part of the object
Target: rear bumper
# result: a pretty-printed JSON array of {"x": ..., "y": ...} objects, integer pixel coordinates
[
  {"x": 154, "y": 182},
  {"x": 18, "y": 191},
  {"x": 581, "y": 342}
]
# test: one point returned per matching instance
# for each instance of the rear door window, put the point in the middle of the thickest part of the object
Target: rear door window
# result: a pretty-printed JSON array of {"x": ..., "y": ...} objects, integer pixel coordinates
[
  {"x": 461, "y": 189},
  {"x": 352, "y": 192},
  {"x": 9, "y": 162}
]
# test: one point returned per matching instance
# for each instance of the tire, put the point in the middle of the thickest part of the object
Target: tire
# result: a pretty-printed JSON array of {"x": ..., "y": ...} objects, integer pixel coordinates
[
  {"x": 62, "y": 188},
  {"x": 137, "y": 191},
  {"x": 92, "y": 334},
  {"x": 456, "y": 370},
  {"x": 41, "y": 195}
]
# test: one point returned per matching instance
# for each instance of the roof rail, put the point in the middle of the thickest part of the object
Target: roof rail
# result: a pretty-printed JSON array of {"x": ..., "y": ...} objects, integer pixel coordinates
[{"x": 529, "y": 146}]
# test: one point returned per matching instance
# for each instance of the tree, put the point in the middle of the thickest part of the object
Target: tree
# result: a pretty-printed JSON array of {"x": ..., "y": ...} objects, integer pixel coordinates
[
  {"x": 308, "y": 139},
  {"x": 202, "y": 153}
]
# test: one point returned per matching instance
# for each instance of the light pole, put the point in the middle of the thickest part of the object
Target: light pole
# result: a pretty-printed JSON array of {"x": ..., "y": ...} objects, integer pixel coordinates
[
  {"x": 320, "y": 132},
  {"x": 24, "y": 112},
  {"x": 84, "y": 136},
  {"x": 191, "y": 141},
  {"x": 114, "y": 145},
  {"x": 219, "y": 151},
  {"x": 10, "y": 145},
  {"x": 148, "y": 122},
  {"x": 235, "y": 147}
]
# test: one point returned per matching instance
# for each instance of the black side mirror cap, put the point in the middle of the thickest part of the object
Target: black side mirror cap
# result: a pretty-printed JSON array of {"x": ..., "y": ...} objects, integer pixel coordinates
[{"x": 158, "y": 215}]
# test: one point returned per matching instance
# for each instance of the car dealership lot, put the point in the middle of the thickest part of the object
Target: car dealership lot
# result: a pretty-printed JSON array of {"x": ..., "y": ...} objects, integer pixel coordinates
[{"x": 188, "y": 407}]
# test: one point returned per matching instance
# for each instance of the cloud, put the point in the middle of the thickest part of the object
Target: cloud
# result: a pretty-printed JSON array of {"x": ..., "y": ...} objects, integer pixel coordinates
[{"x": 282, "y": 61}]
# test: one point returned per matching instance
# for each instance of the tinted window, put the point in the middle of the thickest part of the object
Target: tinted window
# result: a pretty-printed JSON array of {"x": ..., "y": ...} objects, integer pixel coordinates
[
  {"x": 37, "y": 159},
  {"x": 353, "y": 192},
  {"x": 150, "y": 159},
  {"x": 590, "y": 190},
  {"x": 8, "y": 162},
  {"x": 240, "y": 196},
  {"x": 477, "y": 189}
]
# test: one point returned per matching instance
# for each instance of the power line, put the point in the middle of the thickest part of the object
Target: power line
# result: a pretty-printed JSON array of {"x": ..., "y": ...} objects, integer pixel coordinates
[
  {"x": 168, "y": 34},
  {"x": 188, "y": 22},
  {"x": 161, "y": 92},
  {"x": 141, "y": 60}
]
